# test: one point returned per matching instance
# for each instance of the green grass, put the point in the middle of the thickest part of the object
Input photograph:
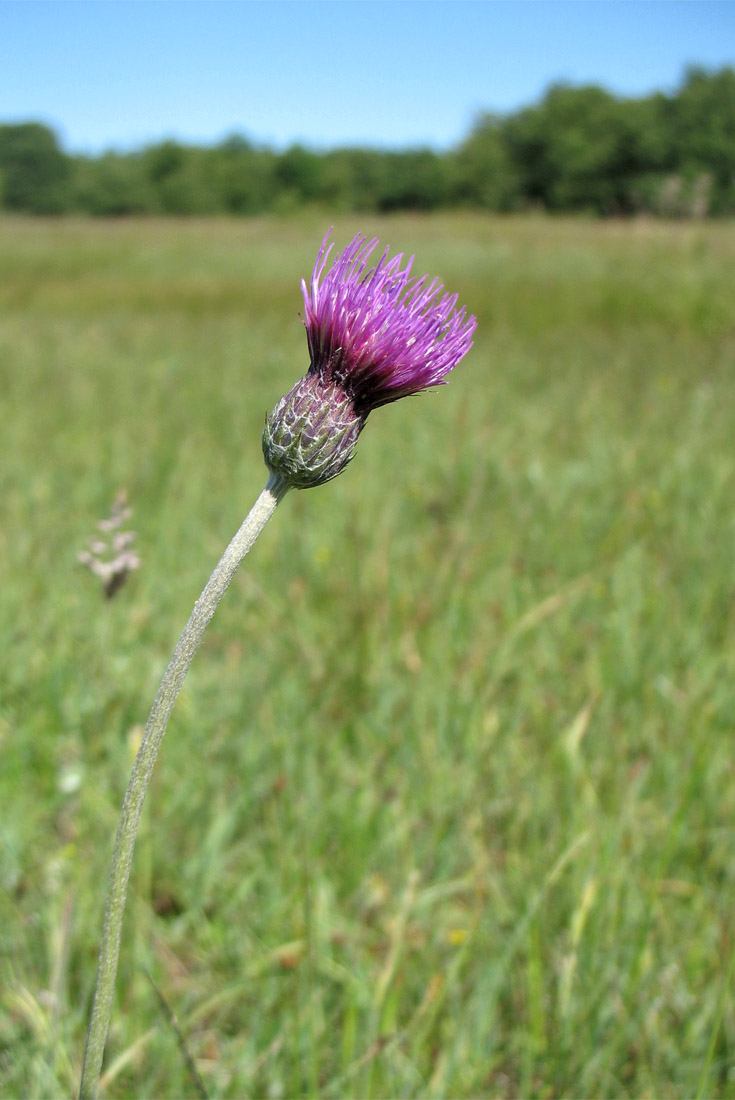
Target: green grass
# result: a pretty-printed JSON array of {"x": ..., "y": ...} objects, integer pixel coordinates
[{"x": 447, "y": 805}]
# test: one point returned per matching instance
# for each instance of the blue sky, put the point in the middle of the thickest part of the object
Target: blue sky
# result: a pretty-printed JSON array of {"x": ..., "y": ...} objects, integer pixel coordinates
[{"x": 107, "y": 74}]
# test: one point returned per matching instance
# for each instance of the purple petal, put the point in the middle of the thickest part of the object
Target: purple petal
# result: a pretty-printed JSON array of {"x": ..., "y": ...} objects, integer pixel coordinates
[{"x": 380, "y": 333}]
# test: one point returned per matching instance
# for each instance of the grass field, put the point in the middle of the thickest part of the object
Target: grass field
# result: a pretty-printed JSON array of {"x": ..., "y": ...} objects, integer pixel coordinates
[{"x": 447, "y": 805}]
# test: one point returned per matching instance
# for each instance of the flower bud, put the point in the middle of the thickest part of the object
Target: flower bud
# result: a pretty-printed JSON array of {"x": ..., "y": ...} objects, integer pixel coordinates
[{"x": 312, "y": 433}]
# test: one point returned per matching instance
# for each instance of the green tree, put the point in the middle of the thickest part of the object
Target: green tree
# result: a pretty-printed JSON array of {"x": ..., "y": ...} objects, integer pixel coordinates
[
  {"x": 112, "y": 184},
  {"x": 583, "y": 149},
  {"x": 355, "y": 179},
  {"x": 179, "y": 179},
  {"x": 242, "y": 175},
  {"x": 416, "y": 179},
  {"x": 483, "y": 174},
  {"x": 34, "y": 170},
  {"x": 703, "y": 127},
  {"x": 298, "y": 174}
]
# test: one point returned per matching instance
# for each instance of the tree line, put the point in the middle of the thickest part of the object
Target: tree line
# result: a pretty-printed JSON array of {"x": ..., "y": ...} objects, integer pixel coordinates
[{"x": 580, "y": 149}]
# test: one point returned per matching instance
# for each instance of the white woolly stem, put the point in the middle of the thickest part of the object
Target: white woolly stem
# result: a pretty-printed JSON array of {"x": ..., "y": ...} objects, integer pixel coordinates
[{"x": 145, "y": 759}]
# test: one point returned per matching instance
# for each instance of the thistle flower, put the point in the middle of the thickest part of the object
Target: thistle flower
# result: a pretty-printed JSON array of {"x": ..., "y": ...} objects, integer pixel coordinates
[{"x": 375, "y": 334}]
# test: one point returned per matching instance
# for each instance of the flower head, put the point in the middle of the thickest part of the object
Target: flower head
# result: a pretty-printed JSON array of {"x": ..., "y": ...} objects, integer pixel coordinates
[{"x": 375, "y": 334}]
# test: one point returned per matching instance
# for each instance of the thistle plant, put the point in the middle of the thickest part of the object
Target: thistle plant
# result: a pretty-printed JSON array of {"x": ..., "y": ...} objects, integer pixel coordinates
[{"x": 375, "y": 334}]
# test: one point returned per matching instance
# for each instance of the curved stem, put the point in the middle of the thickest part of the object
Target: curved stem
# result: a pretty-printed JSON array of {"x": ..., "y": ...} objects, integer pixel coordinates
[{"x": 145, "y": 759}]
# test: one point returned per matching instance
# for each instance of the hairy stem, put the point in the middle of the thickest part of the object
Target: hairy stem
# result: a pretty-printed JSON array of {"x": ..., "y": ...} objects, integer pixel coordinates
[{"x": 145, "y": 759}]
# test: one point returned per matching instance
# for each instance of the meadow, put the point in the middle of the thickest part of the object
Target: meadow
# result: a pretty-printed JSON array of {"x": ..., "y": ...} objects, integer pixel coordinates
[{"x": 447, "y": 805}]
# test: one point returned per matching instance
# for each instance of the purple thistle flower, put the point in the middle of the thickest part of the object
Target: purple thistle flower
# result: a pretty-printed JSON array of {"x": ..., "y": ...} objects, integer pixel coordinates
[{"x": 375, "y": 334}]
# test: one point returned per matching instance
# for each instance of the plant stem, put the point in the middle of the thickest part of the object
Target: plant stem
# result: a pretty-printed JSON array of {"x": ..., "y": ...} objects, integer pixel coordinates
[{"x": 140, "y": 776}]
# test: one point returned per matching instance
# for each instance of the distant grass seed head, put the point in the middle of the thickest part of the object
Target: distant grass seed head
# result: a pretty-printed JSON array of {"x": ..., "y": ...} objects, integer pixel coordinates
[
  {"x": 375, "y": 334},
  {"x": 110, "y": 556}
]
